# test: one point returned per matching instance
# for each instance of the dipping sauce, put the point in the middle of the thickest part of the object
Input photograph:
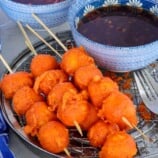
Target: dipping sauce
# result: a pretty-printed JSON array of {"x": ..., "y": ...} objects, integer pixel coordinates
[
  {"x": 120, "y": 26},
  {"x": 38, "y": 1}
]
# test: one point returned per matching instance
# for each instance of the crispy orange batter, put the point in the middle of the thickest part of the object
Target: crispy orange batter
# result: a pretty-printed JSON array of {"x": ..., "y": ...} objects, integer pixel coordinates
[
  {"x": 122, "y": 79},
  {"x": 144, "y": 112},
  {"x": 54, "y": 137},
  {"x": 91, "y": 118},
  {"x": 85, "y": 74},
  {"x": 10, "y": 83},
  {"x": 38, "y": 115},
  {"x": 54, "y": 97},
  {"x": 23, "y": 99},
  {"x": 41, "y": 63},
  {"x": 116, "y": 106},
  {"x": 118, "y": 145},
  {"x": 47, "y": 80},
  {"x": 100, "y": 88},
  {"x": 73, "y": 108},
  {"x": 98, "y": 132},
  {"x": 75, "y": 58},
  {"x": 84, "y": 94}
]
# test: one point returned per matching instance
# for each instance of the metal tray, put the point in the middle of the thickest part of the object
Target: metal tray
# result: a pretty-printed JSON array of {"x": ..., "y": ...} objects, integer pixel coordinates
[{"x": 79, "y": 146}]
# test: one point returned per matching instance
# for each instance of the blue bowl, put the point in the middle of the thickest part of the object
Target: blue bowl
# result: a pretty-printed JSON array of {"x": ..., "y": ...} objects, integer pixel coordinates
[
  {"x": 51, "y": 14},
  {"x": 118, "y": 59}
]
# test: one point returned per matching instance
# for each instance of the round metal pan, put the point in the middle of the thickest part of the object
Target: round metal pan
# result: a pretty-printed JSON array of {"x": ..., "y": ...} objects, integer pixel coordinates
[{"x": 79, "y": 146}]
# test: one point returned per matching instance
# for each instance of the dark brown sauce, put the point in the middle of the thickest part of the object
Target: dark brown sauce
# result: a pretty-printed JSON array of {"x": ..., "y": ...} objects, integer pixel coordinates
[
  {"x": 120, "y": 26},
  {"x": 37, "y": 1}
]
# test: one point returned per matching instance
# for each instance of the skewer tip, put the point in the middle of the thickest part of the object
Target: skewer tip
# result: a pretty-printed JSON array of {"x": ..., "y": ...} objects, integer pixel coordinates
[
  {"x": 126, "y": 121},
  {"x": 6, "y": 64},
  {"x": 67, "y": 152},
  {"x": 78, "y": 128}
]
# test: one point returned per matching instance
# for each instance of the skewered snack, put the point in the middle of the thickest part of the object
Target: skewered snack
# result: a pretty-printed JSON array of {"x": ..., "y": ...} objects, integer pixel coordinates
[
  {"x": 85, "y": 74},
  {"x": 74, "y": 107},
  {"x": 54, "y": 97},
  {"x": 47, "y": 80},
  {"x": 118, "y": 145},
  {"x": 54, "y": 137},
  {"x": 10, "y": 83},
  {"x": 41, "y": 63},
  {"x": 116, "y": 106},
  {"x": 90, "y": 119},
  {"x": 74, "y": 64},
  {"x": 23, "y": 99},
  {"x": 98, "y": 132},
  {"x": 99, "y": 88},
  {"x": 75, "y": 58},
  {"x": 38, "y": 115}
]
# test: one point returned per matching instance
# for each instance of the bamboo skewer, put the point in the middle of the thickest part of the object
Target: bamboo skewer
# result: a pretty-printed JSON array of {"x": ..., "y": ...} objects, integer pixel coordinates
[
  {"x": 27, "y": 40},
  {"x": 30, "y": 47},
  {"x": 78, "y": 127},
  {"x": 125, "y": 120},
  {"x": 67, "y": 152},
  {"x": 49, "y": 31},
  {"x": 5, "y": 64},
  {"x": 43, "y": 40}
]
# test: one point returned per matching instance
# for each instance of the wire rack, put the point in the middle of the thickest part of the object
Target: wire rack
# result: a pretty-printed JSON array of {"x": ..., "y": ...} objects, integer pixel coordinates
[{"x": 79, "y": 146}]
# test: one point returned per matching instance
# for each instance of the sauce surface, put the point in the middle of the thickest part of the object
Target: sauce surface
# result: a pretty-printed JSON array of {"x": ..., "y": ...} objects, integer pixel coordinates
[
  {"x": 120, "y": 26},
  {"x": 37, "y": 1}
]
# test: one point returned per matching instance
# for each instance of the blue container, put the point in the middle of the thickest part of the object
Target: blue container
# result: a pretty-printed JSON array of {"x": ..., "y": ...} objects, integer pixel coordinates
[
  {"x": 51, "y": 14},
  {"x": 118, "y": 59}
]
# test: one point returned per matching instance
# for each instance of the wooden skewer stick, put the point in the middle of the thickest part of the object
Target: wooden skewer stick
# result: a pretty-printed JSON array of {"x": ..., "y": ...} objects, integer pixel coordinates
[
  {"x": 125, "y": 120},
  {"x": 43, "y": 40},
  {"x": 6, "y": 64},
  {"x": 30, "y": 47},
  {"x": 27, "y": 40},
  {"x": 67, "y": 152},
  {"x": 78, "y": 127},
  {"x": 49, "y": 31}
]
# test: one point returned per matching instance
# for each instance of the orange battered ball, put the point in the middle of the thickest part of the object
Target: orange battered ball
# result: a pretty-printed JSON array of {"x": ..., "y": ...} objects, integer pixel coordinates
[
  {"x": 116, "y": 106},
  {"x": 99, "y": 132},
  {"x": 74, "y": 59},
  {"x": 54, "y": 97},
  {"x": 85, "y": 74},
  {"x": 73, "y": 108},
  {"x": 100, "y": 88},
  {"x": 10, "y": 83},
  {"x": 23, "y": 99},
  {"x": 47, "y": 80},
  {"x": 90, "y": 119},
  {"x": 41, "y": 63},
  {"x": 53, "y": 137},
  {"x": 118, "y": 145},
  {"x": 38, "y": 115}
]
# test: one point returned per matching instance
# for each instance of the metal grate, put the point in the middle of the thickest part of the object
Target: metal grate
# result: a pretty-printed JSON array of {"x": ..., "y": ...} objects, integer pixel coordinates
[{"x": 79, "y": 146}]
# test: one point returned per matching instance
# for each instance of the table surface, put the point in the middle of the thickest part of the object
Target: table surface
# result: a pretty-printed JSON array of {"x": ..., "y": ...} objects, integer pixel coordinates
[{"x": 12, "y": 45}]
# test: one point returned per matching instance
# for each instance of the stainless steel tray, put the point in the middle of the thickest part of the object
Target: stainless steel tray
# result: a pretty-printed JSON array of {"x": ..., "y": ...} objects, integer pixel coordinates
[{"x": 79, "y": 146}]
